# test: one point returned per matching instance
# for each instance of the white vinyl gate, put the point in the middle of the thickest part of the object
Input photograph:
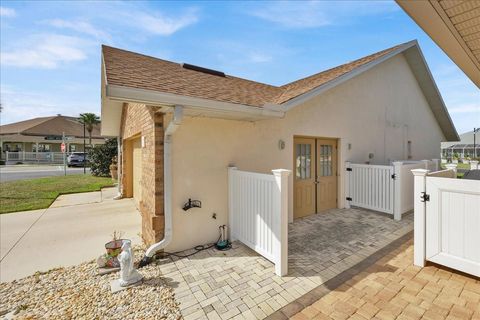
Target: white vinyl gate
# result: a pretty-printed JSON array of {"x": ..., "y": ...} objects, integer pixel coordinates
[
  {"x": 258, "y": 213},
  {"x": 447, "y": 221},
  {"x": 370, "y": 186},
  {"x": 383, "y": 188}
]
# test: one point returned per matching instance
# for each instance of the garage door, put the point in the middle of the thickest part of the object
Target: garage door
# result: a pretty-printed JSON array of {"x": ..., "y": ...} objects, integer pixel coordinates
[{"x": 137, "y": 172}]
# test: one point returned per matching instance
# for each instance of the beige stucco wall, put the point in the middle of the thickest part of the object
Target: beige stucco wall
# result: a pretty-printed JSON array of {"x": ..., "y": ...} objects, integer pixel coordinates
[{"x": 385, "y": 100}]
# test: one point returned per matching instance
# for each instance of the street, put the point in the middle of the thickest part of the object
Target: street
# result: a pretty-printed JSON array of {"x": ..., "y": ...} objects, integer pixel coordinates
[{"x": 22, "y": 172}]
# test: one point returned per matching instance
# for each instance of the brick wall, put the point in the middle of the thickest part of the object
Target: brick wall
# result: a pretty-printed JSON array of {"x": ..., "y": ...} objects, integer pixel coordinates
[{"x": 139, "y": 120}]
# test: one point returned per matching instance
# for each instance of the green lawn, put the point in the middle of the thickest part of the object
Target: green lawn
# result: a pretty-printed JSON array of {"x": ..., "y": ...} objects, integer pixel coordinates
[{"x": 40, "y": 193}]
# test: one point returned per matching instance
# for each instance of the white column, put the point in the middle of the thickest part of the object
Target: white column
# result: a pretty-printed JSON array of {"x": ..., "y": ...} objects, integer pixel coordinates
[
  {"x": 397, "y": 200},
  {"x": 347, "y": 185},
  {"x": 231, "y": 226},
  {"x": 281, "y": 229},
  {"x": 419, "y": 208},
  {"x": 453, "y": 167}
]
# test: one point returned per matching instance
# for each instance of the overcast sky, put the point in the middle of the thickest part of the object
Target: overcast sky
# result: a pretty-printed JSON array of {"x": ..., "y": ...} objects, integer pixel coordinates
[{"x": 50, "y": 51}]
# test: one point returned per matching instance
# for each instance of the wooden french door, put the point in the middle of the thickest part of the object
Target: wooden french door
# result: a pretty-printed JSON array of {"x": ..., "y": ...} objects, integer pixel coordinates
[
  {"x": 315, "y": 180},
  {"x": 326, "y": 174}
]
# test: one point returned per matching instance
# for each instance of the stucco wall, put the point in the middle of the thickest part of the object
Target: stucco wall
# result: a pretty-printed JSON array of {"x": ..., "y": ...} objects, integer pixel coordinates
[
  {"x": 138, "y": 121},
  {"x": 367, "y": 112}
]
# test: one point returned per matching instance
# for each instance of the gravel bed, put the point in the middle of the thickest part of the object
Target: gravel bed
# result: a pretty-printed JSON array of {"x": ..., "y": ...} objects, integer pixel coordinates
[{"x": 80, "y": 293}]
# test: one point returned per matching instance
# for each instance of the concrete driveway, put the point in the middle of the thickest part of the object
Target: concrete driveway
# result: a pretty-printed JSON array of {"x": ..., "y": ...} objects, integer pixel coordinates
[{"x": 73, "y": 230}]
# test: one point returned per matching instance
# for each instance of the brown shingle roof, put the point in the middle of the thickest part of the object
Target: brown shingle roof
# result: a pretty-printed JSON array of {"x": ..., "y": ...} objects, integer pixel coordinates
[
  {"x": 47, "y": 126},
  {"x": 129, "y": 69}
]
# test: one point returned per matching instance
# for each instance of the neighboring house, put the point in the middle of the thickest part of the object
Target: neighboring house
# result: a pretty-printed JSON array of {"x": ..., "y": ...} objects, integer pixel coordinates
[
  {"x": 464, "y": 148},
  {"x": 181, "y": 126},
  {"x": 45, "y": 135},
  {"x": 454, "y": 26}
]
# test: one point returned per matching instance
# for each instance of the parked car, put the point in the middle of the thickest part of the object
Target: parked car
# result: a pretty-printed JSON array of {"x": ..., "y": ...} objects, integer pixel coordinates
[{"x": 77, "y": 159}]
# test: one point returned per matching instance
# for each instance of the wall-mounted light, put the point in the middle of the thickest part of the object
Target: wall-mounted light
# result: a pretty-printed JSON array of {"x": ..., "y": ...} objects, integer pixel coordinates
[
  {"x": 281, "y": 144},
  {"x": 349, "y": 146},
  {"x": 142, "y": 140}
]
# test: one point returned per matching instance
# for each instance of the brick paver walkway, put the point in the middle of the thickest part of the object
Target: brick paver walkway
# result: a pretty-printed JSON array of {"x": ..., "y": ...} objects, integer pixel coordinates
[
  {"x": 240, "y": 284},
  {"x": 392, "y": 288}
]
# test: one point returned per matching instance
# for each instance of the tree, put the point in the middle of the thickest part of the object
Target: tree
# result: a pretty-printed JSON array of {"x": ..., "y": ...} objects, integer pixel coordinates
[
  {"x": 89, "y": 120},
  {"x": 100, "y": 157}
]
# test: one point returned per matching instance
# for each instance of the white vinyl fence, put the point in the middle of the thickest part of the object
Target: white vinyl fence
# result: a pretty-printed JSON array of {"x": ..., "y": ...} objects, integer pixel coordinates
[
  {"x": 383, "y": 188},
  {"x": 447, "y": 220},
  {"x": 258, "y": 213},
  {"x": 34, "y": 157}
]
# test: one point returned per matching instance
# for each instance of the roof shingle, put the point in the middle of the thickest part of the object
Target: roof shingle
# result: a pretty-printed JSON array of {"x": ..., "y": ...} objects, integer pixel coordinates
[{"x": 129, "y": 69}]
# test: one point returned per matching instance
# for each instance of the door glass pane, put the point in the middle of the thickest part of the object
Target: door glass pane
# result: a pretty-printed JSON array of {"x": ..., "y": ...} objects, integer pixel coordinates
[
  {"x": 325, "y": 160},
  {"x": 303, "y": 155}
]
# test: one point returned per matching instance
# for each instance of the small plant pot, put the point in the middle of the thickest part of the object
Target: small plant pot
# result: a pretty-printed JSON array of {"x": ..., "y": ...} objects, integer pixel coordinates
[{"x": 114, "y": 247}]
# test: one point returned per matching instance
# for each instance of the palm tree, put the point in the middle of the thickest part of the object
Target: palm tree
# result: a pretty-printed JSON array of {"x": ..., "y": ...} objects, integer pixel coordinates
[{"x": 89, "y": 120}]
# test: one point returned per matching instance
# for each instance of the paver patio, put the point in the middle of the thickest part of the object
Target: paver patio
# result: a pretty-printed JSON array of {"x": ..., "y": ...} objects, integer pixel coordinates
[
  {"x": 393, "y": 288},
  {"x": 241, "y": 284}
]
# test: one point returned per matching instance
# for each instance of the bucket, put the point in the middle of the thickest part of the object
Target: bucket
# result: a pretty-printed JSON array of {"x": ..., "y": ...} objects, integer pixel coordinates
[{"x": 114, "y": 247}]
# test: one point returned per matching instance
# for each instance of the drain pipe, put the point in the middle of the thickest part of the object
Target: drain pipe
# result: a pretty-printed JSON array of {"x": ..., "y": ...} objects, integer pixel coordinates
[
  {"x": 119, "y": 169},
  {"x": 167, "y": 175}
]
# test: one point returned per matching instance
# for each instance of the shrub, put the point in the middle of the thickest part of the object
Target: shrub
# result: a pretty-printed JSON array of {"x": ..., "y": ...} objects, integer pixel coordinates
[{"x": 100, "y": 158}]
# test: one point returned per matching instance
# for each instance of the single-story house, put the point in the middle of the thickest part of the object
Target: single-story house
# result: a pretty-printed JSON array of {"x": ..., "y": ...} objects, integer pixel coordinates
[
  {"x": 181, "y": 126},
  {"x": 44, "y": 134}
]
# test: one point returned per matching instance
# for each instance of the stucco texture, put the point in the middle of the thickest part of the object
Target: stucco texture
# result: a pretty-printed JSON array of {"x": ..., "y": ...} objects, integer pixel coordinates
[{"x": 376, "y": 112}]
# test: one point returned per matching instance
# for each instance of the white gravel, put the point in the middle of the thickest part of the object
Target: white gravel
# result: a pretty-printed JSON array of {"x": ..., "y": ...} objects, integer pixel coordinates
[{"x": 79, "y": 293}]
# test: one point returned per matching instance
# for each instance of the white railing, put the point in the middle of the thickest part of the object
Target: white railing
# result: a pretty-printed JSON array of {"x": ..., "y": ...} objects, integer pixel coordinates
[
  {"x": 447, "y": 220},
  {"x": 258, "y": 213},
  {"x": 383, "y": 188},
  {"x": 29, "y": 157}
]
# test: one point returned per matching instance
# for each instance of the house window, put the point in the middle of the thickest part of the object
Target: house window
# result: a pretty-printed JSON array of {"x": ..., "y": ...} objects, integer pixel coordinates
[
  {"x": 303, "y": 161},
  {"x": 409, "y": 149},
  {"x": 13, "y": 147},
  {"x": 73, "y": 148},
  {"x": 41, "y": 148}
]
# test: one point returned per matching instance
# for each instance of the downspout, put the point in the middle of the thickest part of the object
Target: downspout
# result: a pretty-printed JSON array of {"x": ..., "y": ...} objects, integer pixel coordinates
[
  {"x": 119, "y": 169},
  {"x": 167, "y": 176}
]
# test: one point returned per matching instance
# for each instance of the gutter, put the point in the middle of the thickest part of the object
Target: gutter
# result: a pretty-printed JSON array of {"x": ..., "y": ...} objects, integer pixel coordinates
[{"x": 167, "y": 176}]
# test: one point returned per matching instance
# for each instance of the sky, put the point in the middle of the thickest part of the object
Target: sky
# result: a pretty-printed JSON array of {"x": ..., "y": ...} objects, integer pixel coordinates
[{"x": 50, "y": 51}]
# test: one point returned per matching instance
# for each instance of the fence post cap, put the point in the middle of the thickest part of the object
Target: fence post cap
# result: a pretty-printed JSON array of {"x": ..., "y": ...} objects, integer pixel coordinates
[
  {"x": 397, "y": 163},
  {"x": 474, "y": 161},
  {"x": 232, "y": 168},
  {"x": 281, "y": 172},
  {"x": 420, "y": 172}
]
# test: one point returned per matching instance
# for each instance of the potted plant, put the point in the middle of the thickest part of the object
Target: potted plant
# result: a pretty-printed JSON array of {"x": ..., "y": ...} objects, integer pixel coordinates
[
  {"x": 114, "y": 248},
  {"x": 114, "y": 168}
]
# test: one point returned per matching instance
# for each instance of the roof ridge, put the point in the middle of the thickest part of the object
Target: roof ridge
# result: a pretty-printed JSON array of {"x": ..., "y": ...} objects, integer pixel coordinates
[
  {"x": 180, "y": 64},
  {"x": 380, "y": 54}
]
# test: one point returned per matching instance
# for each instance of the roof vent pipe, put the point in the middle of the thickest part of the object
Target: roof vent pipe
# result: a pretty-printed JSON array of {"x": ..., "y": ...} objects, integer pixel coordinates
[{"x": 167, "y": 172}]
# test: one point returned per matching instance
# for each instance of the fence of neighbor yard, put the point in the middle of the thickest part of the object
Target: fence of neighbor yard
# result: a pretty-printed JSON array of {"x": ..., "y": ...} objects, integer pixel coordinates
[
  {"x": 33, "y": 157},
  {"x": 258, "y": 213},
  {"x": 384, "y": 188},
  {"x": 447, "y": 220}
]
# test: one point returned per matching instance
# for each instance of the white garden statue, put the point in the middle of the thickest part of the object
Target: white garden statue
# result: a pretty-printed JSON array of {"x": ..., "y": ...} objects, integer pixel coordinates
[{"x": 128, "y": 274}]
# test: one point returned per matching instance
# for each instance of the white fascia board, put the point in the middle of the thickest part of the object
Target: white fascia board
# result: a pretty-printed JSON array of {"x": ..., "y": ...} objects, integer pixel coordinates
[
  {"x": 339, "y": 80},
  {"x": 151, "y": 97}
]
